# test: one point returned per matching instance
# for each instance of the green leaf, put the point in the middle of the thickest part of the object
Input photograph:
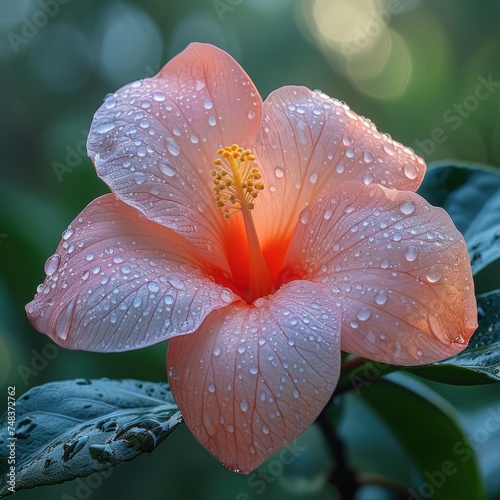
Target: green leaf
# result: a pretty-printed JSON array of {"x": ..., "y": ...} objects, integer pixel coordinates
[
  {"x": 471, "y": 195},
  {"x": 479, "y": 363},
  {"x": 74, "y": 428},
  {"x": 425, "y": 426}
]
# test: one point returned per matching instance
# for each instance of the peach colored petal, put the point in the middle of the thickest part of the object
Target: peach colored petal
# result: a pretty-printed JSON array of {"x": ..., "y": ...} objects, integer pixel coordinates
[
  {"x": 154, "y": 142},
  {"x": 252, "y": 379},
  {"x": 396, "y": 267},
  {"x": 310, "y": 143},
  {"x": 119, "y": 281}
]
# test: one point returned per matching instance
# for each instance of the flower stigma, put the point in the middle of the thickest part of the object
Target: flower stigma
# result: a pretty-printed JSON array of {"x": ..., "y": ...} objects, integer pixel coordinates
[{"x": 237, "y": 183}]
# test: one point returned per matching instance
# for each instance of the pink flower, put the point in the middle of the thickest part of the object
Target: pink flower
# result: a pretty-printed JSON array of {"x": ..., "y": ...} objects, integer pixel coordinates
[{"x": 319, "y": 243}]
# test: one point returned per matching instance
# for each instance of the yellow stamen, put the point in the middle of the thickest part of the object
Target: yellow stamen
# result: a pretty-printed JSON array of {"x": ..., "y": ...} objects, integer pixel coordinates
[{"x": 236, "y": 186}]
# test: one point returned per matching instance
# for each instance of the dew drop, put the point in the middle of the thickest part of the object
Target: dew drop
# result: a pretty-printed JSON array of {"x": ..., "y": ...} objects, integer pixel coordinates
[
  {"x": 265, "y": 429},
  {"x": 212, "y": 121},
  {"x": 125, "y": 269},
  {"x": 313, "y": 177},
  {"x": 411, "y": 253},
  {"x": 381, "y": 297},
  {"x": 244, "y": 405},
  {"x": 340, "y": 168},
  {"x": 172, "y": 146},
  {"x": 327, "y": 215},
  {"x": 367, "y": 156},
  {"x": 411, "y": 171},
  {"x": 137, "y": 301},
  {"x": 169, "y": 299},
  {"x": 347, "y": 140},
  {"x": 407, "y": 207},
  {"x": 251, "y": 115},
  {"x": 105, "y": 125},
  {"x": 364, "y": 314},
  {"x": 385, "y": 263},
  {"x": 89, "y": 257},
  {"x": 397, "y": 236},
  {"x": 153, "y": 286},
  {"x": 295, "y": 393},
  {"x": 211, "y": 388},
  {"x": 139, "y": 177},
  {"x": 167, "y": 170},
  {"x": 64, "y": 320},
  {"x": 254, "y": 370},
  {"x": 159, "y": 95},
  {"x": 241, "y": 348},
  {"x": 208, "y": 104},
  {"x": 67, "y": 234},
  {"x": 304, "y": 217},
  {"x": 368, "y": 178},
  {"x": 349, "y": 152},
  {"x": 194, "y": 139},
  {"x": 52, "y": 264},
  {"x": 433, "y": 274},
  {"x": 279, "y": 172},
  {"x": 199, "y": 85}
]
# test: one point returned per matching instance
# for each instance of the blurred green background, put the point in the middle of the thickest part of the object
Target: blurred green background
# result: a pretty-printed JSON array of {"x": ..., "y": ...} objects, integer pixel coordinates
[{"x": 425, "y": 72}]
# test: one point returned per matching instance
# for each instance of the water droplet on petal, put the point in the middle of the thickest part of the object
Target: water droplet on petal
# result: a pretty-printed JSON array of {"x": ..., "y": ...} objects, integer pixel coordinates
[
  {"x": 407, "y": 207},
  {"x": 367, "y": 156},
  {"x": 265, "y": 429},
  {"x": 411, "y": 171},
  {"x": 433, "y": 274},
  {"x": 347, "y": 140},
  {"x": 52, "y": 264},
  {"x": 211, "y": 388},
  {"x": 137, "y": 301},
  {"x": 244, "y": 405},
  {"x": 139, "y": 177},
  {"x": 304, "y": 217},
  {"x": 328, "y": 214},
  {"x": 159, "y": 95},
  {"x": 67, "y": 234},
  {"x": 64, "y": 319},
  {"x": 199, "y": 85},
  {"x": 295, "y": 393},
  {"x": 313, "y": 177},
  {"x": 368, "y": 178},
  {"x": 251, "y": 115},
  {"x": 212, "y": 121},
  {"x": 208, "y": 104},
  {"x": 105, "y": 125},
  {"x": 364, "y": 314},
  {"x": 411, "y": 253},
  {"x": 153, "y": 286},
  {"x": 172, "y": 146},
  {"x": 279, "y": 172},
  {"x": 340, "y": 168},
  {"x": 169, "y": 299},
  {"x": 167, "y": 170},
  {"x": 381, "y": 297},
  {"x": 385, "y": 263}
]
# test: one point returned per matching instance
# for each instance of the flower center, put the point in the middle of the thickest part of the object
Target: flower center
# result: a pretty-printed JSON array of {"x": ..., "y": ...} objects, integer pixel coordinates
[{"x": 236, "y": 186}]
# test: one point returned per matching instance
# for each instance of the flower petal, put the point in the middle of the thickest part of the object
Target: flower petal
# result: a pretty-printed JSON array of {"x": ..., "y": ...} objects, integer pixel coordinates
[
  {"x": 310, "y": 143},
  {"x": 119, "y": 281},
  {"x": 154, "y": 142},
  {"x": 252, "y": 379},
  {"x": 396, "y": 267}
]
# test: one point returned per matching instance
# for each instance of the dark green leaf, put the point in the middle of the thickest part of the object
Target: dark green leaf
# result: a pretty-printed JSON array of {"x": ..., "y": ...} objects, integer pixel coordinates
[
  {"x": 471, "y": 195},
  {"x": 74, "y": 428},
  {"x": 479, "y": 363},
  {"x": 425, "y": 426}
]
